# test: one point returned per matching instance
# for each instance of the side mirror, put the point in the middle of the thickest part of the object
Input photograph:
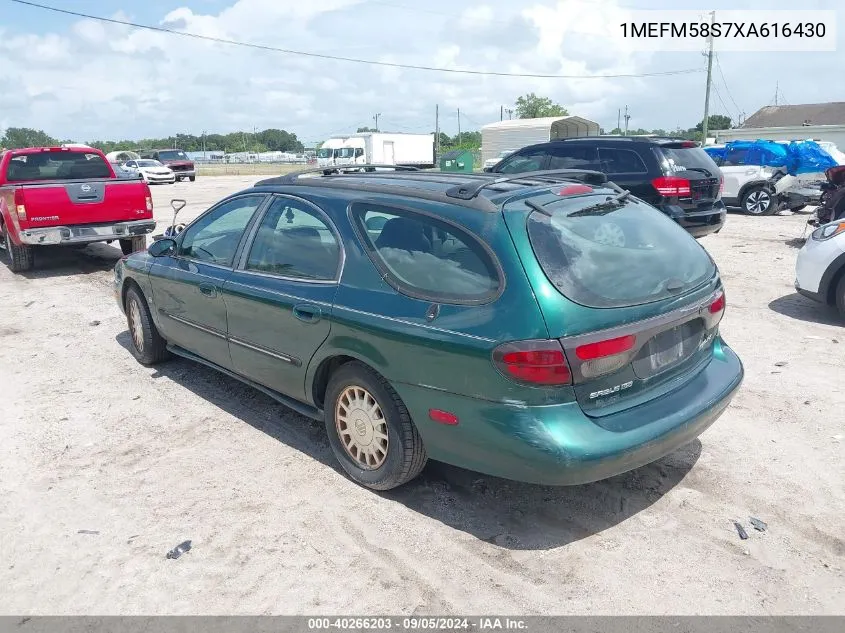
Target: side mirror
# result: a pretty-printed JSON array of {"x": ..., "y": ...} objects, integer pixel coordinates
[
  {"x": 162, "y": 247},
  {"x": 488, "y": 169}
]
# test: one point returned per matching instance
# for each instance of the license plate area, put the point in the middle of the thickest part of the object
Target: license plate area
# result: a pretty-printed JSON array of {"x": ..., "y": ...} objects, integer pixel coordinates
[{"x": 668, "y": 348}]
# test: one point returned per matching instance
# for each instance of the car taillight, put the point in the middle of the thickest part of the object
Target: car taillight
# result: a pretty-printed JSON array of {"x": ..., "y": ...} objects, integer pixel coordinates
[
  {"x": 538, "y": 363},
  {"x": 20, "y": 207},
  {"x": 672, "y": 186},
  {"x": 149, "y": 200},
  {"x": 721, "y": 185},
  {"x": 718, "y": 304},
  {"x": 603, "y": 357}
]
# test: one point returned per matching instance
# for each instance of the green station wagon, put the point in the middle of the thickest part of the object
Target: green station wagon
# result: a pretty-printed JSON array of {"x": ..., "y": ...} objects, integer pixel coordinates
[{"x": 546, "y": 327}]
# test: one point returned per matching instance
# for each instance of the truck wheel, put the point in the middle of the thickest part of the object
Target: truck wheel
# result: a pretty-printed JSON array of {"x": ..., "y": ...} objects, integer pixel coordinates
[
  {"x": 192, "y": 178},
  {"x": 147, "y": 345},
  {"x": 133, "y": 244},
  {"x": 370, "y": 430},
  {"x": 21, "y": 257},
  {"x": 758, "y": 200}
]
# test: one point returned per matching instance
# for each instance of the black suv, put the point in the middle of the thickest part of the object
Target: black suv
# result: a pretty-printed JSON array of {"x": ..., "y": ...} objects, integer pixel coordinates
[{"x": 676, "y": 176}]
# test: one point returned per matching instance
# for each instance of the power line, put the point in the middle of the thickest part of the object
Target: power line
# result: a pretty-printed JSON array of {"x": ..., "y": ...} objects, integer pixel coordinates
[
  {"x": 459, "y": 71},
  {"x": 724, "y": 81}
]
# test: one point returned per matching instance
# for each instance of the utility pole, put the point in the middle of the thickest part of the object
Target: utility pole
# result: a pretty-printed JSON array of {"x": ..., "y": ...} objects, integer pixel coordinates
[
  {"x": 203, "y": 146},
  {"x": 510, "y": 112},
  {"x": 501, "y": 113},
  {"x": 704, "y": 124},
  {"x": 375, "y": 118},
  {"x": 619, "y": 119},
  {"x": 459, "y": 126},
  {"x": 436, "y": 129},
  {"x": 777, "y": 89},
  {"x": 627, "y": 118}
]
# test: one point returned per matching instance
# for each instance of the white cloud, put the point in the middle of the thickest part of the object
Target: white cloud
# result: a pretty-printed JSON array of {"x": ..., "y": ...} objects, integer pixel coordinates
[{"x": 92, "y": 80}]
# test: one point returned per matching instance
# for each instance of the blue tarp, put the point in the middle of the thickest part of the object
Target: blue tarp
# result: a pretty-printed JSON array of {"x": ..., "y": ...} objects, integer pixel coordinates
[{"x": 797, "y": 157}]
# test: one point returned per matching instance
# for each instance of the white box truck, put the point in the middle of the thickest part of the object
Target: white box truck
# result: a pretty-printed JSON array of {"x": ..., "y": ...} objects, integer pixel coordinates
[
  {"x": 327, "y": 154},
  {"x": 377, "y": 148}
]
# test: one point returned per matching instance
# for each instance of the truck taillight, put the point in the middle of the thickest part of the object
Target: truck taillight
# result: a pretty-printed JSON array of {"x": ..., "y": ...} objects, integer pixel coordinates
[
  {"x": 20, "y": 207},
  {"x": 149, "y": 203}
]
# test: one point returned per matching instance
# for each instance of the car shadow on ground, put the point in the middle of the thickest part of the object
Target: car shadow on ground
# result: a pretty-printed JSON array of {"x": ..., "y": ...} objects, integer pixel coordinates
[
  {"x": 803, "y": 309},
  {"x": 62, "y": 261},
  {"x": 504, "y": 513}
]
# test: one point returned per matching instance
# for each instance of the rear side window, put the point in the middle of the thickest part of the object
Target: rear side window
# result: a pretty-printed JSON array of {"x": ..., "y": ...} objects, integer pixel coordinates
[
  {"x": 521, "y": 163},
  {"x": 57, "y": 166},
  {"x": 625, "y": 255},
  {"x": 427, "y": 258},
  {"x": 674, "y": 160},
  {"x": 621, "y": 161}
]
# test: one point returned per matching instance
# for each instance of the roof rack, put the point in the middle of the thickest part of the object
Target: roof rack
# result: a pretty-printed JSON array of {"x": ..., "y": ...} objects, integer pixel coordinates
[
  {"x": 328, "y": 171},
  {"x": 467, "y": 191}
]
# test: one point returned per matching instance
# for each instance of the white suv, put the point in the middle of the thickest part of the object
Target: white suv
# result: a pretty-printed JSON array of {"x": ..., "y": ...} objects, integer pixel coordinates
[
  {"x": 759, "y": 190},
  {"x": 820, "y": 268}
]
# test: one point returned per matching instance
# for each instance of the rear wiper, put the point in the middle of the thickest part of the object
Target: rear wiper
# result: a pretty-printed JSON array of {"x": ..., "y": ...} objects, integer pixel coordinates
[
  {"x": 704, "y": 171},
  {"x": 608, "y": 206}
]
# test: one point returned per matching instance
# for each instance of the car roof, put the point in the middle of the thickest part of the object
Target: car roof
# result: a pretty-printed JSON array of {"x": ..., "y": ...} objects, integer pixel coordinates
[
  {"x": 607, "y": 138},
  {"x": 482, "y": 191}
]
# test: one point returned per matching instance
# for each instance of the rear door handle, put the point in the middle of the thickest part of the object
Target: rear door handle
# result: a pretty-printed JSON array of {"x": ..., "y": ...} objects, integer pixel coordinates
[
  {"x": 209, "y": 290},
  {"x": 307, "y": 312}
]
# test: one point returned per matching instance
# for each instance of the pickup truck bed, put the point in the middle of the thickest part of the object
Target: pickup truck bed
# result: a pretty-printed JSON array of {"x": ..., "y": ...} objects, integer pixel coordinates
[{"x": 66, "y": 196}]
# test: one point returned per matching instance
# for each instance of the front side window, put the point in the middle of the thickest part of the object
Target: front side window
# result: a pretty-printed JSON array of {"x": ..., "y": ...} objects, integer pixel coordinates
[
  {"x": 294, "y": 240},
  {"x": 214, "y": 237},
  {"x": 427, "y": 258},
  {"x": 522, "y": 163},
  {"x": 566, "y": 156}
]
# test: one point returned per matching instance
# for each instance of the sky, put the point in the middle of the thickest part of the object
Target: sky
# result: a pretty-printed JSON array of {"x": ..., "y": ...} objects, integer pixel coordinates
[{"x": 85, "y": 80}]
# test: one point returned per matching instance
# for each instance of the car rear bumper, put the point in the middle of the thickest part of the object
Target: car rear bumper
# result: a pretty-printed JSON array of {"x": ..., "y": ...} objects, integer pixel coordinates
[
  {"x": 699, "y": 222},
  {"x": 559, "y": 444},
  {"x": 81, "y": 234}
]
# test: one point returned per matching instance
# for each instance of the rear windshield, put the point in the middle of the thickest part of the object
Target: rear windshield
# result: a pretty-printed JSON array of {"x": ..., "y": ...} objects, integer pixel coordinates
[
  {"x": 687, "y": 159},
  {"x": 56, "y": 166},
  {"x": 621, "y": 256},
  {"x": 175, "y": 154}
]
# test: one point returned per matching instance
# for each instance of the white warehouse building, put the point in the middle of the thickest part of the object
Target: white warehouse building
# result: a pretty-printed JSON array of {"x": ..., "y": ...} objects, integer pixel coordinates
[{"x": 515, "y": 134}]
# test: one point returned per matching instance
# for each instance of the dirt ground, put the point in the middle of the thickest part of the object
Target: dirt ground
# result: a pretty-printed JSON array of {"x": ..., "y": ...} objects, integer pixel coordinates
[{"x": 106, "y": 465}]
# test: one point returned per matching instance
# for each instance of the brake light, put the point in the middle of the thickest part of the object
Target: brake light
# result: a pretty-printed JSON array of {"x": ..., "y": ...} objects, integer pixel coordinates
[
  {"x": 689, "y": 144},
  {"x": 20, "y": 207},
  {"x": 149, "y": 203},
  {"x": 721, "y": 185},
  {"x": 672, "y": 186},
  {"x": 538, "y": 363},
  {"x": 718, "y": 304},
  {"x": 574, "y": 190}
]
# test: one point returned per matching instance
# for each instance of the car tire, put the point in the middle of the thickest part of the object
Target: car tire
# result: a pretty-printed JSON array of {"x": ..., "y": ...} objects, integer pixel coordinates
[
  {"x": 192, "y": 178},
  {"x": 758, "y": 200},
  {"x": 133, "y": 244},
  {"x": 372, "y": 409},
  {"x": 21, "y": 258},
  {"x": 146, "y": 344},
  {"x": 840, "y": 297}
]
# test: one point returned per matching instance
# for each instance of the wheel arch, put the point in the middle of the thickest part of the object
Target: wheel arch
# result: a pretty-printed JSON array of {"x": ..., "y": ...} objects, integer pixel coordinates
[
  {"x": 831, "y": 278},
  {"x": 324, "y": 369},
  {"x": 751, "y": 185}
]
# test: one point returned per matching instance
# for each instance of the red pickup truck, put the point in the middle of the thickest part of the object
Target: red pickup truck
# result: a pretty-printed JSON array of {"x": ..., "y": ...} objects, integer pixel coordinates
[{"x": 68, "y": 196}]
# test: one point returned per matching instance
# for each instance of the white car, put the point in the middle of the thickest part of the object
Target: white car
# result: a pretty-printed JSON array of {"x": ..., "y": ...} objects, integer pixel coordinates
[
  {"x": 152, "y": 171},
  {"x": 820, "y": 268},
  {"x": 491, "y": 162}
]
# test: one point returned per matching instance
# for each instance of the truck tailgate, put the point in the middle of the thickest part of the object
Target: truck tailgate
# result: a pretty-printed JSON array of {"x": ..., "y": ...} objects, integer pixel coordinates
[{"x": 84, "y": 202}]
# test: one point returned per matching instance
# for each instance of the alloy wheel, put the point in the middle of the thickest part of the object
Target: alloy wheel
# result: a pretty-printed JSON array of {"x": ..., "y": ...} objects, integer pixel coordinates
[
  {"x": 361, "y": 427},
  {"x": 758, "y": 202},
  {"x": 135, "y": 326}
]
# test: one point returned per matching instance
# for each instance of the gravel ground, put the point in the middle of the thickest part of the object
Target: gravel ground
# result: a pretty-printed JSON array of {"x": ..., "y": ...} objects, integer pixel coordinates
[{"x": 107, "y": 465}]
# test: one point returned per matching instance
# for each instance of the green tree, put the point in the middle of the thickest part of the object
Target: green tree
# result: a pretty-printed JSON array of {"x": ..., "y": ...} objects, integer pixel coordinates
[
  {"x": 531, "y": 106},
  {"x": 17, "y": 137},
  {"x": 715, "y": 122}
]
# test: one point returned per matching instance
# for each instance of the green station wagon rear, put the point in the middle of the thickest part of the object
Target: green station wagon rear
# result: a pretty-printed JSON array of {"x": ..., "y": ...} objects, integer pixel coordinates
[{"x": 547, "y": 328}]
